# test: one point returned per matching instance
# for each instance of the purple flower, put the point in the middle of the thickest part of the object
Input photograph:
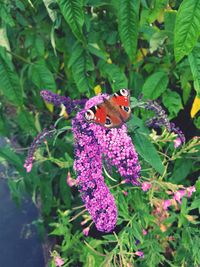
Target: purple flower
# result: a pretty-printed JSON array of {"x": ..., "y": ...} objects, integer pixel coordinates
[
  {"x": 41, "y": 137},
  {"x": 91, "y": 142},
  {"x": 146, "y": 186},
  {"x": 139, "y": 253},
  {"x": 57, "y": 100},
  {"x": 178, "y": 195},
  {"x": 161, "y": 119},
  {"x": 166, "y": 204}
]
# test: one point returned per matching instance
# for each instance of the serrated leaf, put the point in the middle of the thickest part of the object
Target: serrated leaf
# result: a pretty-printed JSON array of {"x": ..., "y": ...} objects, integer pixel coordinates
[
  {"x": 194, "y": 60},
  {"x": 72, "y": 11},
  {"x": 114, "y": 74},
  {"x": 42, "y": 76},
  {"x": 128, "y": 17},
  {"x": 80, "y": 68},
  {"x": 155, "y": 85},
  {"x": 77, "y": 51},
  {"x": 9, "y": 81},
  {"x": 143, "y": 145},
  {"x": 187, "y": 28}
]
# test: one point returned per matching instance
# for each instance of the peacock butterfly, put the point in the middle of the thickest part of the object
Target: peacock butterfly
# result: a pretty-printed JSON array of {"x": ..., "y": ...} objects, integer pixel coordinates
[{"x": 112, "y": 112}]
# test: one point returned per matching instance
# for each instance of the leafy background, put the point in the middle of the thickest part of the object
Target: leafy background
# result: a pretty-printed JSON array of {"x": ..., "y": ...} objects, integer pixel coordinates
[{"x": 79, "y": 48}]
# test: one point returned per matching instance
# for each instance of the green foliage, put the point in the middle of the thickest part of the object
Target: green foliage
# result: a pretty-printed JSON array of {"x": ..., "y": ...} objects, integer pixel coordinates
[
  {"x": 194, "y": 61},
  {"x": 128, "y": 20},
  {"x": 187, "y": 28},
  {"x": 72, "y": 47},
  {"x": 155, "y": 85},
  {"x": 72, "y": 11}
]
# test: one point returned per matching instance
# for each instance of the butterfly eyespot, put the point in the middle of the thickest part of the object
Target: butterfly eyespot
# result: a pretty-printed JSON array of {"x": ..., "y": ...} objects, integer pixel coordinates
[
  {"x": 127, "y": 109},
  {"x": 124, "y": 92},
  {"x": 89, "y": 115},
  {"x": 108, "y": 121}
]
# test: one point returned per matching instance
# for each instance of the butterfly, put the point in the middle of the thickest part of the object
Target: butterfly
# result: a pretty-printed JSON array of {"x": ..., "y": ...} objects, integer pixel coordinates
[{"x": 112, "y": 112}]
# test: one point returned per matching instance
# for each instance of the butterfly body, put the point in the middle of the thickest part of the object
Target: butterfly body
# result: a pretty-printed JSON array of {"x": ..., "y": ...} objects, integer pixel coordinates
[{"x": 112, "y": 112}]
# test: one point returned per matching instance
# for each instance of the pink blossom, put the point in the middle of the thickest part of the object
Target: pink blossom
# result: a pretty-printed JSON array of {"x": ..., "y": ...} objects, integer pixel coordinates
[
  {"x": 71, "y": 182},
  {"x": 178, "y": 195},
  {"x": 28, "y": 167},
  {"x": 166, "y": 204},
  {"x": 146, "y": 186},
  {"x": 144, "y": 232},
  {"x": 59, "y": 261},
  {"x": 139, "y": 253},
  {"x": 190, "y": 190},
  {"x": 125, "y": 193},
  {"x": 177, "y": 142},
  {"x": 86, "y": 231}
]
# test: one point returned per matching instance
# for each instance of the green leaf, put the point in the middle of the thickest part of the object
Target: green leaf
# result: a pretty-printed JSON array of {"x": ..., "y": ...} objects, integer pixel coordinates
[
  {"x": 155, "y": 85},
  {"x": 143, "y": 145},
  {"x": 172, "y": 102},
  {"x": 46, "y": 195},
  {"x": 194, "y": 60},
  {"x": 181, "y": 170},
  {"x": 65, "y": 191},
  {"x": 9, "y": 81},
  {"x": 42, "y": 76},
  {"x": 128, "y": 23},
  {"x": 187, "y": 28},
  {"x": 26, "y": 122},
  {"x": 80, "y": 68},
  {"x": 4, "y": 39},
  {"x": 5, "y": 14},
  {"x": 77, "y": 52},
  {"x": 97, "y": 51},
  {"x": 115, "y": 75},
  {"x": 52, "y": 13},
  {"x": 159, "y": 5},
  {"x": 72, "y": 11},
  {"x": 170, "y": 19},
  {"x": 157, "y": 40}
]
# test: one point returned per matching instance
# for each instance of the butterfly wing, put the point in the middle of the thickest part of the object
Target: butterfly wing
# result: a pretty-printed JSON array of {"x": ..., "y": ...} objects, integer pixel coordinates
[
  {"x": 96, "y": 114},
  {"x": 121, "y": 100},
  {"x": 112, "y": 112}
]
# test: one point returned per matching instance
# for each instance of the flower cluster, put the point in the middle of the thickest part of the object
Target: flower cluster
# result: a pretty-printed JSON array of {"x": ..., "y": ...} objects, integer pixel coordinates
[
  {"x": 161, "y": 119},
  {"x": 91, "y": 142},
  {"x": 58, "y": 100},
  {"x": 41, "y": 137},
  {"x": 178, "y": 195}
]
